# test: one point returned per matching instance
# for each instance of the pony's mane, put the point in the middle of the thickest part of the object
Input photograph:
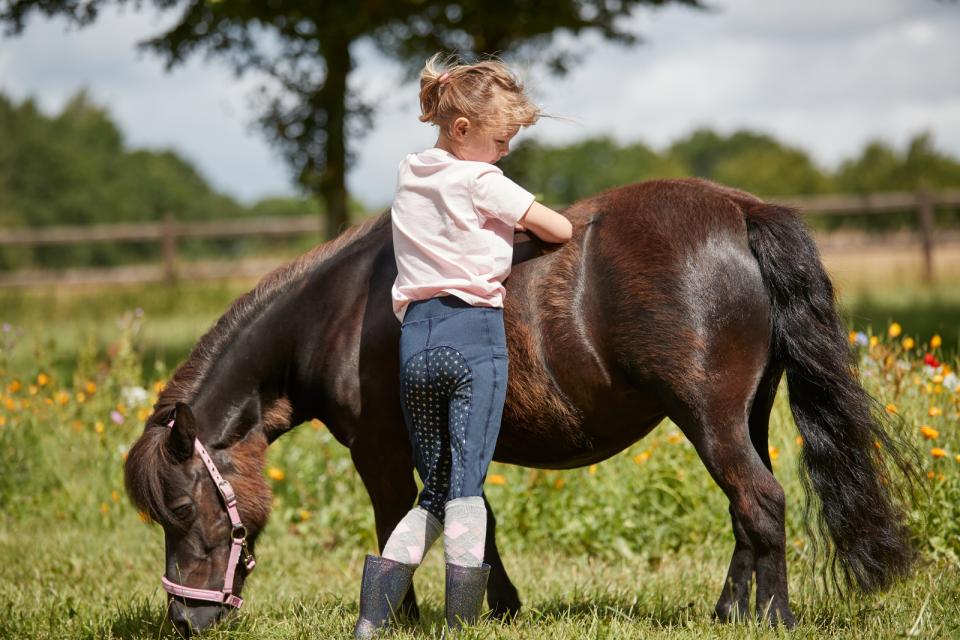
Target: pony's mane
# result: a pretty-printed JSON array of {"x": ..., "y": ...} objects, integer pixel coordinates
[
  {"x": 188, "y": 377},
  {"x": 148, "y": 459}
]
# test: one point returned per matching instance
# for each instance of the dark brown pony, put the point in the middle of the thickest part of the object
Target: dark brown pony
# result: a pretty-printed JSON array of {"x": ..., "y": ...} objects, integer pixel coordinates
[{"x": 675, "y": 299}]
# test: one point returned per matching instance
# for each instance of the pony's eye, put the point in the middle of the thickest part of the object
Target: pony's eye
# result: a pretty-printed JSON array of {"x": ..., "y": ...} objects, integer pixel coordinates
[{"x": 183, "y": 511}]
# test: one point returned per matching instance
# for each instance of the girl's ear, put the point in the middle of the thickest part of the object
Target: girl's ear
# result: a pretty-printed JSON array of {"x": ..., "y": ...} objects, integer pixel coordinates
[{"x": 460, "y": 127}]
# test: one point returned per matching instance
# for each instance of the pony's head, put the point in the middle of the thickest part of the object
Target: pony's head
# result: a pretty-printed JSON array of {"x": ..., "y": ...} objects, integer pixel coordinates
[{"x": 168, "y": 479}]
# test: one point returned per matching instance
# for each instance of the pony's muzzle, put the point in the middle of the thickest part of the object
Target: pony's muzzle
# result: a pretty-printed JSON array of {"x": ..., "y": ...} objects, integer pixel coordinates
[{"x": 188, "y": 619}]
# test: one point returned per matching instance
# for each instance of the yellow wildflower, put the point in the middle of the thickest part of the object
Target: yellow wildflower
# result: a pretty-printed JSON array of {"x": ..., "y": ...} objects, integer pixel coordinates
[
  {"x": 874, "y": 341},
  {"x": 98, "y": 426},
  {"x": 276, "y": 474},
  {"x": 115, "y": 495},
  {"x": 43, "y": 379},
  {"x": 316, "y": 424},
  {"x": 933, "y": 412},
  {"x": 14, "y": 386},
  {"x": 894, "y": 330},
  {"x": 592, "y": 469},
  {"x": 852, "y": 337},
  {"x": 10, "y": 404},
  {"x": 144, "y": 518},
  {"x": 81, "y": 397},
  {"x": 799, "y": 441},
  {"x": 937, "y": 452},
  {"x": 936, "y": 341},
  {"x": 304, "y": 515},
  {"x": 90, "y": 387},
  {"x": 143, "y": 413},
  {"x": 32, "y": 389},
  {"x": 104, "y": 508},
  {"x": 558, "y": 483},
  {"x": 640, "y": 458},
  {"x": 931, "y": 474},
  {"x": 908, "y": 343},
  {"x": 675, "y": 437},
  {"x": 891, "y": 408},
  {"x": 158, "y": 386},
  {"x": 957, "y": 459},
  {"x": 496, "y": 478},
  {"x": 77, "y": 425},
  {"x": 3, "y": 421},
  {"x": 774, "y": 452},
  {"x": 929, "y": 432}
]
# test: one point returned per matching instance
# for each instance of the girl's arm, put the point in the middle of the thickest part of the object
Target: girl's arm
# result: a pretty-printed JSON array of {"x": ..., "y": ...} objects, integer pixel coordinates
[{"x": 546, "y": 224}]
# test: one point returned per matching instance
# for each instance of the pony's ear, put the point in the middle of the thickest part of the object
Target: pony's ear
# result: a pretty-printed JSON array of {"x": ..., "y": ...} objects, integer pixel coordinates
[{"x": 182, "y": 433}]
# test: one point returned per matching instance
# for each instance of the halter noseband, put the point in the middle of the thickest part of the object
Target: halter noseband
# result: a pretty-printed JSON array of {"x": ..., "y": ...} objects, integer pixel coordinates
[{"x": 238, "y": 542}]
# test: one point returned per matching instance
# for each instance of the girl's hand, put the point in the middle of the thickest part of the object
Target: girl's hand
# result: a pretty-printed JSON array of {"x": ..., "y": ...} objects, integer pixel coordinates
[{"x": 519, "y": 227}]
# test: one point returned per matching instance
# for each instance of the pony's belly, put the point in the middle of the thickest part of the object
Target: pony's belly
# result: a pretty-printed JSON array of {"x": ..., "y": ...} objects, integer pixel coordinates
[{"x": 551, "y": 446}]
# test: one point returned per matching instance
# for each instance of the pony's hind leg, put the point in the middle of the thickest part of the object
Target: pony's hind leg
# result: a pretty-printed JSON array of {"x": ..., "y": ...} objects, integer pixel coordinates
[
  {"x": 757, "y": 507},
  {"x": 501, "y": 594},
  {"x": 734, "y": 600}
]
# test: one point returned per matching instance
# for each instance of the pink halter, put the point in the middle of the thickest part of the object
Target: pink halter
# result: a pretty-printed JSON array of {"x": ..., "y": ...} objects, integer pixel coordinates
[{"x": 238, "y": 542}]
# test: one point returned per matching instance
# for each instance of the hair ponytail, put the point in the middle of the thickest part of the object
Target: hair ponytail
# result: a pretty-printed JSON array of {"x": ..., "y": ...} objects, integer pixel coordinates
[{"x": 486, "y": 92}]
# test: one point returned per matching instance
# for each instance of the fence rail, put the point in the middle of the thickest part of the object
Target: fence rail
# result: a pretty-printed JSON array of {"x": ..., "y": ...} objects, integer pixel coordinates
[{"x": 170, "y": 231}]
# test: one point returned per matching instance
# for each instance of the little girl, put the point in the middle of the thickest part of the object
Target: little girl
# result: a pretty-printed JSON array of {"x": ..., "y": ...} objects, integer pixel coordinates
[{"x": 454, "y": 217}]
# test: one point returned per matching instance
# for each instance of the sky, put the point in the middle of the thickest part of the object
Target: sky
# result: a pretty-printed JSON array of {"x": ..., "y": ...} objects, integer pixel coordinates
[{"x": 824, "y": 75}]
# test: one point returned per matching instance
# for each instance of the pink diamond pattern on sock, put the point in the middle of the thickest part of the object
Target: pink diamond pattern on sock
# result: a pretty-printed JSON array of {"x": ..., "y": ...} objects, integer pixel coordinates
[
  {"x": 454, "y": 530},
  {"x": 416, "y": 554},
  {"x": 477, "y": 551}
]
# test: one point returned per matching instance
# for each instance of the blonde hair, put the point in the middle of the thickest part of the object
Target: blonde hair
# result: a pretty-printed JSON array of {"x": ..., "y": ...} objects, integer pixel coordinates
[{"x": 486, "y": 92}]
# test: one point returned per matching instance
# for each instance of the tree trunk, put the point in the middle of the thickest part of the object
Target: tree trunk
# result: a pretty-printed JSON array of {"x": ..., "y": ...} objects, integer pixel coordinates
[{"x": 333, "y": 99}]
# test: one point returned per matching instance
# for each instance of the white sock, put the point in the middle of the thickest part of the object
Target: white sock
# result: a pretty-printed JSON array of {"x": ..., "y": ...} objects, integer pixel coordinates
[
  {"x": 465, "y": 531},
  {"x": 412, "y": 537}
]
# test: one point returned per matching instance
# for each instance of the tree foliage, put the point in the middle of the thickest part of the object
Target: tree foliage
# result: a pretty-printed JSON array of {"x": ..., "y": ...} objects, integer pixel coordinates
[
  {"x": 304, "y": 50},
  {"x": 73, "y": 168}
]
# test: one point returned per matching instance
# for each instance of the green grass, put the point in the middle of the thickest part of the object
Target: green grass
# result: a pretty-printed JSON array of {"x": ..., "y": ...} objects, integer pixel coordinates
[{"x": 634, "y": 547}]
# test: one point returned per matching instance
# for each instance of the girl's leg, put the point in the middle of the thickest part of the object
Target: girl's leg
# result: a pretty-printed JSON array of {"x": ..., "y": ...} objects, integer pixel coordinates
[
  {"x": 476, "y": 408},
  {"x": 413, "y": 537}
]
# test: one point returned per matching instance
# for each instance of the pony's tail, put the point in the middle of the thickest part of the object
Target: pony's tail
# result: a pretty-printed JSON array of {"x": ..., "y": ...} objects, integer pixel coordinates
[{"x": 850, "y": 459}]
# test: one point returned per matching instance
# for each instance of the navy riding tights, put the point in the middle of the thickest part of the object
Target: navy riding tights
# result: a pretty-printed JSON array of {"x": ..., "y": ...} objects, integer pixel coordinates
[{"x": 453, "y": 382}]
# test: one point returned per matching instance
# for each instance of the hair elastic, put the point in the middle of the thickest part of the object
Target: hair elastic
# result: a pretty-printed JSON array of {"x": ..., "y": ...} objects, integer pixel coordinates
[{"x": 443, "y": 78}]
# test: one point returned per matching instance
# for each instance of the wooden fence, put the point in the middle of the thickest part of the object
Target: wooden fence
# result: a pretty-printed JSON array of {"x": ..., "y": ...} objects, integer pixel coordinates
[{"x": 170, "y": 231}]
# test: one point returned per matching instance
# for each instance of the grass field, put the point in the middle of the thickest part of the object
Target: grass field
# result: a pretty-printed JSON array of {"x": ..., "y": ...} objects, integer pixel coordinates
[{"x": 634, "y": 547}]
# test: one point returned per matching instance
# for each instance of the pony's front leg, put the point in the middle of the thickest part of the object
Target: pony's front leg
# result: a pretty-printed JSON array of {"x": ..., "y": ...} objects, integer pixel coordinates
[
  {"x": 387, "y": 473},
  {"x": 501, "y": 594}
]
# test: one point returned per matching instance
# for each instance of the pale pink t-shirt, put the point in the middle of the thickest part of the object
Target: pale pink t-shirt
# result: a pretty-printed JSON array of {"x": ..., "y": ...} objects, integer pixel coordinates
[{"x": 453, "y": 225}]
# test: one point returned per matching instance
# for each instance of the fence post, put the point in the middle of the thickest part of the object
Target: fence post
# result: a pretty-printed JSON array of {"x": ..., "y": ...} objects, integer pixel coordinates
[
  {"x": 925, "y": 212},
  {"x": 169, "y": 247}
]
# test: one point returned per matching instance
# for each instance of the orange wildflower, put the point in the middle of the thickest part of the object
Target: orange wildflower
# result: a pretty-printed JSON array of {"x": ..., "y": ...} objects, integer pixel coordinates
[{"x": 928, "y": 432}]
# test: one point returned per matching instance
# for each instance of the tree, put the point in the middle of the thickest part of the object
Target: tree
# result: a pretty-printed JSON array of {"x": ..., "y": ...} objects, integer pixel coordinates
[
  {"x": 304, "y": 49},
  {"x": 560, "y": 175}
]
